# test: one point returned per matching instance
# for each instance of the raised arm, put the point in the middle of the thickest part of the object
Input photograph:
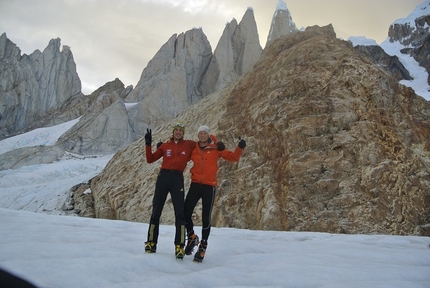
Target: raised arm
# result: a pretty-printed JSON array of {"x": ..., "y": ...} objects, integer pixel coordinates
[
  {"x": 151, "y": 157},
  {"x": 233, "y": 156}
]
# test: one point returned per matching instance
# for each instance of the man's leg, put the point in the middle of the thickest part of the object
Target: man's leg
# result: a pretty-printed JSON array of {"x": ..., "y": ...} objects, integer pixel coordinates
[
  {"x": 158, "y": 201},
  {"x": 177, "y": 193}
]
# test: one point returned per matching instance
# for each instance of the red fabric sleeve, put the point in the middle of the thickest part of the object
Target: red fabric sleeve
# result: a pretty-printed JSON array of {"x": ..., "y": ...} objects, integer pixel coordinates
[{"x": 152, "y": 157}]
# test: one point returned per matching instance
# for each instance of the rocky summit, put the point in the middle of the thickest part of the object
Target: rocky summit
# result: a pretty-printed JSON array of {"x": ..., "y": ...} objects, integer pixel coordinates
[{"x": 335, "y": 144}]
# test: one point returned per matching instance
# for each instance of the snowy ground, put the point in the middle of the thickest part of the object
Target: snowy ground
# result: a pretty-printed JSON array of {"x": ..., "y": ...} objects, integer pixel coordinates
[
  {"x": 65, "y": 251},
  {"x": 54, "y": 250}
]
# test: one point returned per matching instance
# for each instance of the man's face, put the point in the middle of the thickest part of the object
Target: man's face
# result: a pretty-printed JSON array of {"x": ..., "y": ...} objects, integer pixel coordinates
[
  {"x": 203, "y": 136},
  {"x": 178, "y": 133}
]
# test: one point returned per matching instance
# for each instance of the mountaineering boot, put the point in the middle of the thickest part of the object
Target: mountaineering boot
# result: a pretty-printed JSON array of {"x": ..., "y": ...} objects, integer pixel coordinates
[
  {"x": 179, "y": 252},
  {"x": 200, "y": 254},
  {"x": 193, "y": 241},
  {"x": 150, "y": 247}
]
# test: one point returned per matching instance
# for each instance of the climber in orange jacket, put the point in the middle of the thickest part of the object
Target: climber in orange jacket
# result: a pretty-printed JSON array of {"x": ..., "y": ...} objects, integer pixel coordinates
[{"x": 203, "y": 185}]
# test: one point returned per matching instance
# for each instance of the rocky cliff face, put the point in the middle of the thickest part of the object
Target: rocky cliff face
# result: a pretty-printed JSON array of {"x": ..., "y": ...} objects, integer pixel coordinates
[
  {"x": 335, "y": 144},
  {"x": 391, "y": 64},
  {"x": 171, "y": 81},
  {"x": 34, "y": 87},
  {"x": 410, "y": 34}
]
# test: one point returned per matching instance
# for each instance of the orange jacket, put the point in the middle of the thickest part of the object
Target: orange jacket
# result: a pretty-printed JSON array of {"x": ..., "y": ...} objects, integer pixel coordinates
[{"x": 205, "y": 162}]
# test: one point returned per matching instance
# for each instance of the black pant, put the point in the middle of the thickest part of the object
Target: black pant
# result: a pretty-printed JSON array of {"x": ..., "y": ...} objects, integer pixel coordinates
[
  {"x": 173, "y": 182},
  {"x": 207, "y": 194}
]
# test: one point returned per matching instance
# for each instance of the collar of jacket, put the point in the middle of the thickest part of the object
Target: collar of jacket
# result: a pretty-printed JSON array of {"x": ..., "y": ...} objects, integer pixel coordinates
[
  {"x": 208, "y": 146},
  {"x": 172, "y": 139}
]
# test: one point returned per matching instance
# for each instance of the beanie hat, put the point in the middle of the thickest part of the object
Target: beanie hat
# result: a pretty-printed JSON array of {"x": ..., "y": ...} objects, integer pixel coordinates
[
  {"x": 179, "y": 125},
  {"x": 204, "y": 128}
]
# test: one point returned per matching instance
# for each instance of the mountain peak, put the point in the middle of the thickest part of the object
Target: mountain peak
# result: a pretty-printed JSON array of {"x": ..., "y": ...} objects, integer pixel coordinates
[
  {"x": 420, "y": 10},
  {"x": 282, "y": 22},
  {"x": 281, "y": 5}
]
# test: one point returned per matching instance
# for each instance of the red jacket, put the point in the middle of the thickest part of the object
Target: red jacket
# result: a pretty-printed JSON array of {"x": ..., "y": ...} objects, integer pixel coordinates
[
  {"x": 175, "y": 155},
  {"x": 205, "y": 162}
]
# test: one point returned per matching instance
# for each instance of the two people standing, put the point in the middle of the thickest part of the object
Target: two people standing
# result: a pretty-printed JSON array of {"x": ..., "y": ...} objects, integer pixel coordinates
[{"x": 176, "y": 153}]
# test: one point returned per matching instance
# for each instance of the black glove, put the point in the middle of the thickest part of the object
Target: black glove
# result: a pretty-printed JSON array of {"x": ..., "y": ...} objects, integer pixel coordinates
[
  {"x": 148, "y": 137},
  {"x": 220, "y": 146},
  {"x": 159, "y": 144},
  {"x": 242, "y": 144}
]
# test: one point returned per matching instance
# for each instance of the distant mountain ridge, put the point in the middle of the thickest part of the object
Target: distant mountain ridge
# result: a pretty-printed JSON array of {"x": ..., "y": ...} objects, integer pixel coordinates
[{"x": 166, "y": 87}]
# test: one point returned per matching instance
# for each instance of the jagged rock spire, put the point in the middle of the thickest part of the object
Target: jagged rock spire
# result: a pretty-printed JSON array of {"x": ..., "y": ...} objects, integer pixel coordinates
[
  {"x": 235, "y": 54},
  {"x": 35, "y": 85},
  {"x": 282, "y": 22}
]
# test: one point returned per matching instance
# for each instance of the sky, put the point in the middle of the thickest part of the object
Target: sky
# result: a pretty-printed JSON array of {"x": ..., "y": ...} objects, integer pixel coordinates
[
  {"x": 48, "y": 247},
  {"x": 116, "y": 38}
]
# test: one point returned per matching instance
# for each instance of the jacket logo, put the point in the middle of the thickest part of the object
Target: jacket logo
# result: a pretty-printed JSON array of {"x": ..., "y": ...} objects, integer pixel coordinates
[
  {"x": 169, "y": 152},
  {"x": 183, "y": 153}
]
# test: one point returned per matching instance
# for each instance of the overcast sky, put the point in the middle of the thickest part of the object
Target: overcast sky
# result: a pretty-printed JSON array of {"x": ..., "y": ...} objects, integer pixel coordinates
[{"x": 116, "y": 38}]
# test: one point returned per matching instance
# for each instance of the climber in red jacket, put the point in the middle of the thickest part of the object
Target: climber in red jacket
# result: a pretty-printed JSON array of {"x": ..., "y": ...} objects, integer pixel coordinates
[{"x": 176, "y": 153}]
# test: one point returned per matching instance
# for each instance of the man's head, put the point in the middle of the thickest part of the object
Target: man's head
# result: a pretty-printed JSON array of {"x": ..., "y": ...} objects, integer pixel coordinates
[
  {"x": 203, "y": 133},
  {"x": 178, "y": 131}
]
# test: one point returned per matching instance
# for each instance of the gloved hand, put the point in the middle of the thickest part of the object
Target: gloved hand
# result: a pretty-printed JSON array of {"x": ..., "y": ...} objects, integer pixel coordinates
[
  {"x": 220, "y": 146},
  {"x": 148, "y": 137},
  {"x": 159, "y": 144},
  {"x": 242, "y": 143}
]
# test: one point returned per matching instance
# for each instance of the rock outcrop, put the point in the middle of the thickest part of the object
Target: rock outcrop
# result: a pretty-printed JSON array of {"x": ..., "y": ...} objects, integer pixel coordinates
[
  {"x": 282, "y": 23},
  {"x": 391, "y": 64},
  {"x": 27, "y": 156},
  {"x": 34, "y": 87},
  {"x": 411, "y": 34},
  {"x": 335, "y": 144},
  {"x": 105, "y": 127}
]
